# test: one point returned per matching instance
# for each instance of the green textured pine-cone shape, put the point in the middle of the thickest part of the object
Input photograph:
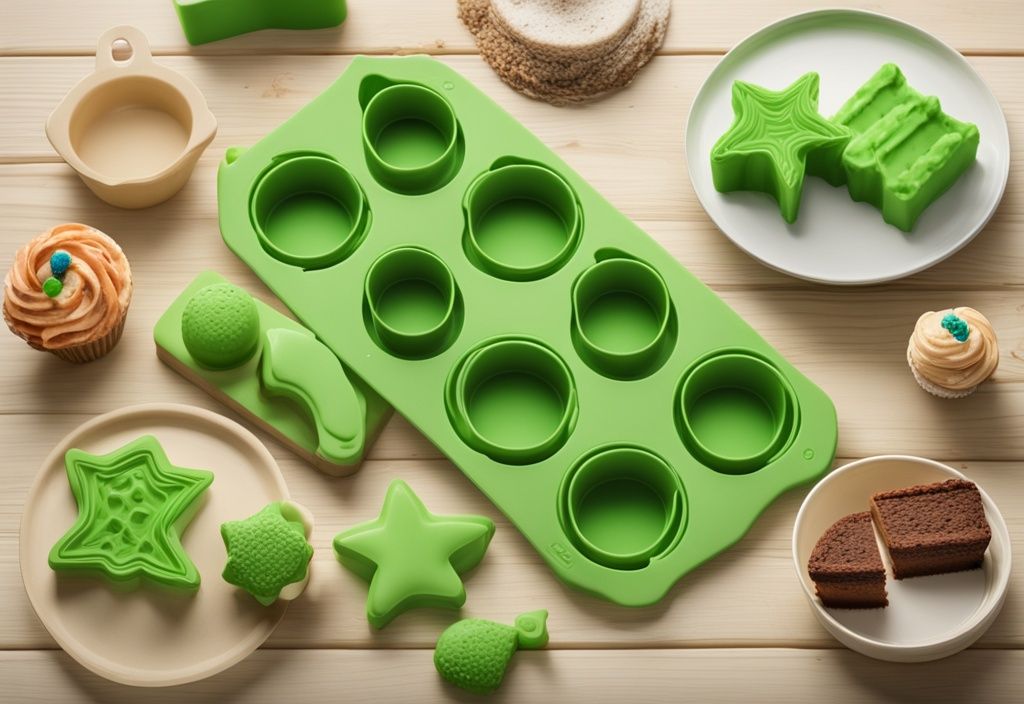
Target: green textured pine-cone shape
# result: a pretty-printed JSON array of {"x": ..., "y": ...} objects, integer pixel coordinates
[
  {"x": 220, "y": 326},
  {"x": 267, "y": 551},
  {"x": 473, "y": 654}
]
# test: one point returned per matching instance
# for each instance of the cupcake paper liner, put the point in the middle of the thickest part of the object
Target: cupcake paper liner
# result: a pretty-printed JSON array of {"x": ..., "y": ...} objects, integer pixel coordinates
[
  {"x": 89, "y": 351},
  {"x": 935, "y": 389}
]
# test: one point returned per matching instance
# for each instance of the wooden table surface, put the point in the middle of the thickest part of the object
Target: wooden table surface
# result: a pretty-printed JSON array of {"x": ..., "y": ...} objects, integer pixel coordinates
[{"x": 736, "y": 629}]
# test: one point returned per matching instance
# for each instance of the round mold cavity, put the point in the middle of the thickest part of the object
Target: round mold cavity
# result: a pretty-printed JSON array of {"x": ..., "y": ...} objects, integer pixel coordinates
[
  {"x": 523, "y": 222},
  {"x": 736, "y": 412},
  {"x": 411, "y": 139},
  {"x": 622, "y": 317},
  {"x": 309, "y": 211},
  {"x": 513, "y": 399},
  {"x": 412, "y": 303},
  {"x": 131, "y": 128},
  {"x": 623, "y": 507}
]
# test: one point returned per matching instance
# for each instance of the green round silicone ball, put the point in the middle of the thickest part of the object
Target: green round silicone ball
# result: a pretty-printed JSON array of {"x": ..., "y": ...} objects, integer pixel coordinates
[{"x": 220, "y": 326}]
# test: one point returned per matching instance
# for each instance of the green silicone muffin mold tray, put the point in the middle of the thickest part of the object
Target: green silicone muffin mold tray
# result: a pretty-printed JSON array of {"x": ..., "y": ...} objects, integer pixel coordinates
[
  {"x": 273, "y": 371},
  {"x": 210, "y": 20},
  {"x": 625, "y": 419}
]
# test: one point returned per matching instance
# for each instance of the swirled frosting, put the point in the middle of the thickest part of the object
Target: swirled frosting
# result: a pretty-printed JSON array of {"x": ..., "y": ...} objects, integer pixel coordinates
[
  {"x": 942, "y": 359},
  {"x": 96, "y": 292}
]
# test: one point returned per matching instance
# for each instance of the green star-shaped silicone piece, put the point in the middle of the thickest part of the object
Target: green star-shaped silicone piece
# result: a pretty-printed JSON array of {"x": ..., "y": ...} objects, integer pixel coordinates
[
  {"x": 411, "y": 557},
  {"x": 133, "y": 505},
  {"x": 267, "y": 551},
  {"x": 773, "y": 138}
]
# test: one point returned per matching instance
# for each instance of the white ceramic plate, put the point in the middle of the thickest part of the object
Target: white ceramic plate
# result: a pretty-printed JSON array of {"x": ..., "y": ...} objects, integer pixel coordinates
[
  {"x": 836, "y": 240},
  {"x": 928, "y": 617},
  {"x": 147, "y": 637}
]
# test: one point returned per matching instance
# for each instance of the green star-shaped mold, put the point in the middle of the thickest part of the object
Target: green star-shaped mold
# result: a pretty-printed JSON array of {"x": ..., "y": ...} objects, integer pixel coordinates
[
  {"x": 267, "y": 551},
  {"x": 133, "y": 505},
  {"x": 411, "y": 557},
  {"x": 774, "y": 138},
  {"x": 905, "y": 151}
]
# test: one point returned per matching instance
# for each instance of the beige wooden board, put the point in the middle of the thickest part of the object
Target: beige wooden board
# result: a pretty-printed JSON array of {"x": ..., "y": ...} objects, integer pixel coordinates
[
  {"x": 718, "y": 676},
  {"x": 402, "y": 26},
  {"x": 737, "y": 629}
]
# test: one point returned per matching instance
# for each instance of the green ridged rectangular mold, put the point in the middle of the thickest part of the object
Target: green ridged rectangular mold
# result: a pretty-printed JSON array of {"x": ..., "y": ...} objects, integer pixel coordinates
[{"x": 624, "y": 418}]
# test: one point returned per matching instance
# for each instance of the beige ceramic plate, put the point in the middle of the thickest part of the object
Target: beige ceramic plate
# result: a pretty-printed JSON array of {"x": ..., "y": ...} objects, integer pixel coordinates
[
  {"x": 928, "y": 617},
  {"x": 148, "y": 637}
]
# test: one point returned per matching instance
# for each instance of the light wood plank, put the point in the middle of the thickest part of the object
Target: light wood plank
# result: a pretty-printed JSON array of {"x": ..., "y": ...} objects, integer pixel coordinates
[
  {"x": 714, "y": 605},
  {"x": 251, "y": 98},
  {"x": 571, "y": 677},
  {"x": 184, "y": 232},
  {"x": 398, "y": 26},
  {"x": 655, "y": 189},
  {"x": 851, "y": 342}
]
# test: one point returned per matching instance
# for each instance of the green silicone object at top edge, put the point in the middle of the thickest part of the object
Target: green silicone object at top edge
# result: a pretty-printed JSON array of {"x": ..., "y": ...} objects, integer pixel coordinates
[
  {"x": 210, "y": 20},
  {"x": 243, "y": 385},
  {"x": 509, "y": 372}
]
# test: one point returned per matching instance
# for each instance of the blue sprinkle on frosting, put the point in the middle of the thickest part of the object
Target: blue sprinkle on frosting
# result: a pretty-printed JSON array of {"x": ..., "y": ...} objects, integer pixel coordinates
[
  {"x": 957, "y": 327},
  {"x": 59, "y": 263}
]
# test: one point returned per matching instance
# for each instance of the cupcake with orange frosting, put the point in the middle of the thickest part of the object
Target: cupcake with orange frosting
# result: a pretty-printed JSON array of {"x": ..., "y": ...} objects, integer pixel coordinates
[
  {"x": 952, "y": 352},
  {"x": 68, "y": 293}
]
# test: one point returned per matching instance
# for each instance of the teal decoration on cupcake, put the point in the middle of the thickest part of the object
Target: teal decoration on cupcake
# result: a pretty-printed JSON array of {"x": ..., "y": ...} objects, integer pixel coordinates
[
  {"x": 52, "y": 286},
  {"x": 59, "y": 263},
  {"x": 957, "y": 327}
]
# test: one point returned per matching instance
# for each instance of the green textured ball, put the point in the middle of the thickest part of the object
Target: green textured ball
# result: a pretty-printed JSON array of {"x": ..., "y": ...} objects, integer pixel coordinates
[{"x": 220, "y": 326}]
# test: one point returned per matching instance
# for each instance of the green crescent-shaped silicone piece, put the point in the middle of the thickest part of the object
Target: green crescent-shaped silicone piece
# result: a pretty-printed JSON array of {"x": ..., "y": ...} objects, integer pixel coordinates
[
  {"x": 301, "y": 368},
  {"x": 210, "y": 20}
]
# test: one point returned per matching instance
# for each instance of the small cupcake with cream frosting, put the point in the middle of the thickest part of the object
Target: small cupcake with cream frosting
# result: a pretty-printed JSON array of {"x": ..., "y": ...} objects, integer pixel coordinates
[
  {"x": 68, "y": 293},
  {"x": 952, "y": 352}
]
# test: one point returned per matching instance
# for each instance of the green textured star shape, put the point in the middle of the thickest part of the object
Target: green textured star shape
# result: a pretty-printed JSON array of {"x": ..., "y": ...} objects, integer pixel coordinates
[
  {"x": 772, "y": 138},
  {"x": 411, "y": 557},
  {"x": 267, "y": 551},
  {"x": 132, "y": 506}
]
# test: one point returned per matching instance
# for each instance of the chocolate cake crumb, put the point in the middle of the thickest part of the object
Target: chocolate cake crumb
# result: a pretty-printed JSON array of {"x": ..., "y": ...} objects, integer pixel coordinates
[
  {"x": 846, "y": 566},
  {"x": 933, "y": 528}
]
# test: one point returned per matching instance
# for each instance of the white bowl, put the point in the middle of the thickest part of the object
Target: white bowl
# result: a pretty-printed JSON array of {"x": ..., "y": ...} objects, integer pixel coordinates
[{"x": 928, "y": 617}]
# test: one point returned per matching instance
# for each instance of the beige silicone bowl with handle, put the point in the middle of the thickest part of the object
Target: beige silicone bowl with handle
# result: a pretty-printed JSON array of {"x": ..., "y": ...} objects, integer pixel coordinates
[{"x": 132, "y": 129}]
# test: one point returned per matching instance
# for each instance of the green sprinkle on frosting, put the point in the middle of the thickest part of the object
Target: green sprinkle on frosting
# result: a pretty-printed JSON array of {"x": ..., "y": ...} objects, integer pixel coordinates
[
  {"x": 957, "y": 327},
  {"x": 52, "y": 286}
]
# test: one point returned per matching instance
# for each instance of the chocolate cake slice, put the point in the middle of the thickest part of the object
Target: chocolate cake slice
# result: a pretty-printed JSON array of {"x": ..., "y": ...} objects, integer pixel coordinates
[
  {"x": 846, "y": 566},
  {"x": 933, "y": 528}
]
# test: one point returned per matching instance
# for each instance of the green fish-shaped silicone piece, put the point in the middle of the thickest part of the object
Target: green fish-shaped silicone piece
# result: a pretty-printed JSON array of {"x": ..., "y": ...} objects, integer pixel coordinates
[
  {"x": 474, "y": 653},
  {"x": 303, "y": 369}
]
